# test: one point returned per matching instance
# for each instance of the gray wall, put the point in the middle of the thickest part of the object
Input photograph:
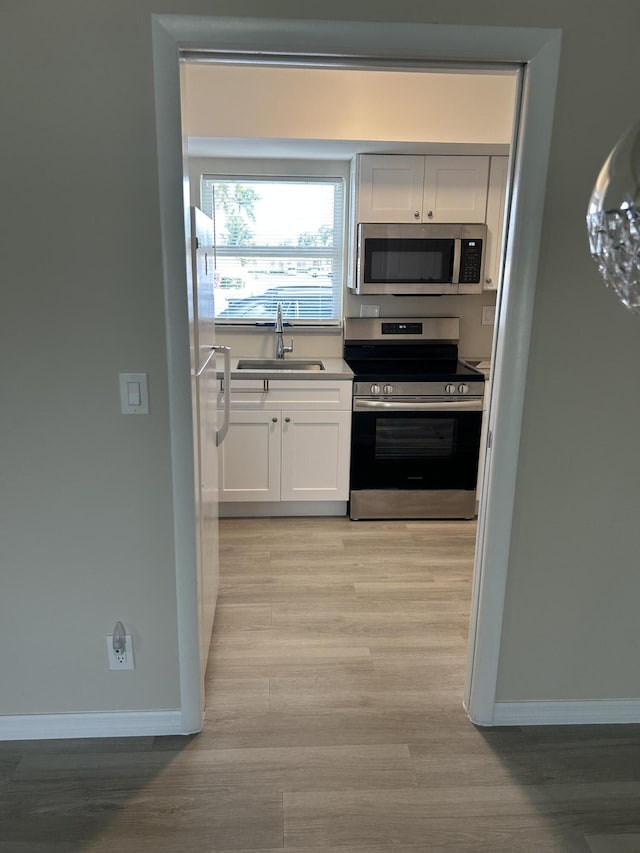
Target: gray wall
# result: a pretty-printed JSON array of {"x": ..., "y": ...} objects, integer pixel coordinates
[
  {"x": 574, "y": 584},
  {"x": 85, "y": 493}
]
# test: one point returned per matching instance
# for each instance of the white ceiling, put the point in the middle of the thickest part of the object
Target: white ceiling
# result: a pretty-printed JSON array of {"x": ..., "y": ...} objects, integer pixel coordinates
[{"x": 240, "y": 111}]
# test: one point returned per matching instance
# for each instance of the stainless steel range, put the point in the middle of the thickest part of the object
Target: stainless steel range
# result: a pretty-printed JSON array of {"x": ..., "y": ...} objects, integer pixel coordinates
[{"x": 417, "y": 417}]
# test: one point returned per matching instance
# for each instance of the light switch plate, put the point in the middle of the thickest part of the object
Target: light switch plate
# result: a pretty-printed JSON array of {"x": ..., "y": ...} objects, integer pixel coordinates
[{"x": 134, "y": 394}]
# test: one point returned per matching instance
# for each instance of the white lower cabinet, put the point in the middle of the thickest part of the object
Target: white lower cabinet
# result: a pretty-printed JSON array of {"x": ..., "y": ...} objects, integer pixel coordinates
[
  {"x": 249, "y": 460},
  {"x": 287, "y": 454},
  {"x": 315, "y": 456}
]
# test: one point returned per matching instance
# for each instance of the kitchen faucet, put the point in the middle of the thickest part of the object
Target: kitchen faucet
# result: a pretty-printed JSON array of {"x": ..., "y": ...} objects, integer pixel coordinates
[{"x": 281, "y": 348}]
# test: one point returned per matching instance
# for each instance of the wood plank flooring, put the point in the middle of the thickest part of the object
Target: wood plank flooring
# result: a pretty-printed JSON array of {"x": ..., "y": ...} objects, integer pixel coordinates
[{"x": 334, "y": 724}]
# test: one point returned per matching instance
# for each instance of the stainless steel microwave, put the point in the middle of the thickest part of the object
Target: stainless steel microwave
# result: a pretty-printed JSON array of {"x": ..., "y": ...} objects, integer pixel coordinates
[{"x": 420, "y": 258}]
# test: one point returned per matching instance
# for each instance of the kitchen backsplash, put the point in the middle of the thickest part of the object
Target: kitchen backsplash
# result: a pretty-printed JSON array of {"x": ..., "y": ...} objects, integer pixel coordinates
[{"x": 475, "y": 339}]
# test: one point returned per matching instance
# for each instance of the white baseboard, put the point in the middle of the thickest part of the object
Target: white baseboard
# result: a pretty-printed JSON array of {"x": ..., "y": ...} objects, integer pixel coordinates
[
  {"x": 587, "y": 712},
  {"x": 108, "y": 724}
]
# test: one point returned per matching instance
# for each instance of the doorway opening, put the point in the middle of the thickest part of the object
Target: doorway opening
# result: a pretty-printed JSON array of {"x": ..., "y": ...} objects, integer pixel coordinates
[{"x": 325, "y": 42}]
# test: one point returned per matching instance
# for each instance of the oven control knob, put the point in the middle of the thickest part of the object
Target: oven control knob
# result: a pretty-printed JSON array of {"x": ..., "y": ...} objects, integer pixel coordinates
[
  {"x": 464, "y": 388},
  {"x": 375, "y": 389},
  {"x": 450, "y": 389},
  {"x": 388, "y": 389}
]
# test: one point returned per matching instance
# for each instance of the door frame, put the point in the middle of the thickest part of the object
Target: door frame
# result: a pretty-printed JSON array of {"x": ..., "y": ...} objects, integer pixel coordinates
[{"x": 537, "y": 51}]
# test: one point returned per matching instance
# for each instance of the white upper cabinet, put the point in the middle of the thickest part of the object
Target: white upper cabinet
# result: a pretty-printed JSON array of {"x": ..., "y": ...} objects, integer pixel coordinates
[
  {"x": 455, "y": 189},
  {"x": 415, "y": 188},
  {"x": 496, "y": 204},
  {"x": 389, "y": 188}
]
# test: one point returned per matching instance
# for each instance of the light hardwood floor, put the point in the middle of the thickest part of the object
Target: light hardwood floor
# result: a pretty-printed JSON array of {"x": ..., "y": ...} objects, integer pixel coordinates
[{"x": 334, "y": 723}]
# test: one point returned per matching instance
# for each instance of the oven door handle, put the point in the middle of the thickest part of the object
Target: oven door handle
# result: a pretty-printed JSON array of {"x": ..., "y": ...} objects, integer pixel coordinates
[{"x": 418, "y": 406}]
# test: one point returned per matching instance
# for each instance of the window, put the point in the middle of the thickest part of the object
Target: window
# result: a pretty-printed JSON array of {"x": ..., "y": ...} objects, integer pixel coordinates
[{"x": 276, "y": 240}]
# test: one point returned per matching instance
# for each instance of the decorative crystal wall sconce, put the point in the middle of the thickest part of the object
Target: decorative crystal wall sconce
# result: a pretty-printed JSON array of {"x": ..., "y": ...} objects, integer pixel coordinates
[{"x": 613, "y": 220}]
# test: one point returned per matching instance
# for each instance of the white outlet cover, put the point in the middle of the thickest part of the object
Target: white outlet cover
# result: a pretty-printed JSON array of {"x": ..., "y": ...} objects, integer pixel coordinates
[
  {"x": 369, "y": 310},
  {"x": 488, "y": 315},
  {"x": 112, "y": 658}
]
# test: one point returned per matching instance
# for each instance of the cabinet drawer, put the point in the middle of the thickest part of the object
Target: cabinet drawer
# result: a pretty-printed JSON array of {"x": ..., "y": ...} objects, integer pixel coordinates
[{"x": 275, "y": 394}]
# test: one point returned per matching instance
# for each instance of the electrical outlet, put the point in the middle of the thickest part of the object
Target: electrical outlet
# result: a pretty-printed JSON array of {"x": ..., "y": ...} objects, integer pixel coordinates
[
  {"x": 122, "y": 659},
  {"x": 488, "y": 315}
]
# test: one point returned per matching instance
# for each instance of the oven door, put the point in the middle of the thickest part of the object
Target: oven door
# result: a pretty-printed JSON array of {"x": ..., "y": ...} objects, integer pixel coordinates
[{"x": 415, "y": 444}]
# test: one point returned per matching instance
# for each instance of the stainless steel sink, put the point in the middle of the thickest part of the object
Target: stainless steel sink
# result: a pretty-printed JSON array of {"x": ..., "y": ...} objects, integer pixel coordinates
[{"x": 279, "y": 364}]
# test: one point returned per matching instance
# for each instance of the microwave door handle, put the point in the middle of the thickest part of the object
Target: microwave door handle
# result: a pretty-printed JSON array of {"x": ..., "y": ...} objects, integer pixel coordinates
[
  {"x": 457, "y": 252},
  {"x": 418, "y": 405}
]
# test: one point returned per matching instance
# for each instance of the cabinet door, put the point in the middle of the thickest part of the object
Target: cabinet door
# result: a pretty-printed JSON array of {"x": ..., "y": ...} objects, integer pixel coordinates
[
  {"x": 315, "y": 456},
  {"x": 390, "y": 188},
  {"x": 249, "y": 461},
  {"x": 455, "y": 189},
  {"x": 496, "y": 202}
]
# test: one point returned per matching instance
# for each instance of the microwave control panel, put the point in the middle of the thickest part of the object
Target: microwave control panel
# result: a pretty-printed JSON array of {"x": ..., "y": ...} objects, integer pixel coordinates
[{"x": 470, "y": 261}]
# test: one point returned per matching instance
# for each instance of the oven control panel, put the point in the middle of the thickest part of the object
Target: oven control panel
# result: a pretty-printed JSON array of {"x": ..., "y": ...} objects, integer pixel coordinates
[
  {"x": 418, "y": 389},
  {"x": 384, "y": 389},
  {"x": 401, "y": 328}
]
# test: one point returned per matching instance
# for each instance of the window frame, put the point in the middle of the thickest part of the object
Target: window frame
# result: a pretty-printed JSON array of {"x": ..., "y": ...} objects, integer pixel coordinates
[{"x": 336, "y": 172}]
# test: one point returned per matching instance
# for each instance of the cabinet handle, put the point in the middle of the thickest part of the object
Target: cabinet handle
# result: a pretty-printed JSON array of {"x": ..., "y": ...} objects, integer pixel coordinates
[
  {"x": 275, "y": 420},
  {"x": 287, "y": 420},
  {"x": 265, "y": 388},
  {"x": 416, "y": 214},
  {"x": 430, "y": 214},
  {"x": 488, "y": 280}
]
